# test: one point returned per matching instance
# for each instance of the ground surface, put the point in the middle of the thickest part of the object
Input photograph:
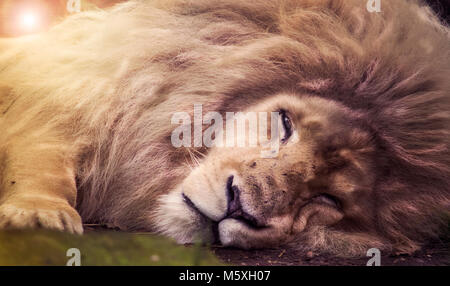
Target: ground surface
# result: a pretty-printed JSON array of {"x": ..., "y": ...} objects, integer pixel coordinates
[
  {"x": 437, "y": 255},
  {"x": 101, "y": 246}
]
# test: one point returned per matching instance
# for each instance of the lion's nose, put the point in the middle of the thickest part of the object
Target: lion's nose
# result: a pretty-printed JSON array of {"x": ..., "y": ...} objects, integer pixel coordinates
[
  {"x": 233, "y": 194},
  {"x": 234, "y": 209}
]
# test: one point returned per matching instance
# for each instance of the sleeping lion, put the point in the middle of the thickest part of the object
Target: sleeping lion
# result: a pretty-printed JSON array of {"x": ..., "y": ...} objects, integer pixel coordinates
[{"x": 363, "y": 103}]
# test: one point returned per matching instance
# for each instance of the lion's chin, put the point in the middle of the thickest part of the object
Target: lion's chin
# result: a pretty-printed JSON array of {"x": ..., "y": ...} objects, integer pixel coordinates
[
  {"x": 181, "y": 222},
  {"x": 180, "y": 219}
]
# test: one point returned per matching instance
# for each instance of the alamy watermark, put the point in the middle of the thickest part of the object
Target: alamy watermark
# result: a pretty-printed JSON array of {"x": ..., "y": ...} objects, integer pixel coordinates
[
  {"x": 75, "y": 257},
  {"x": 373, "y": 6},
  {"x": 239, "y": 129},
  {"x": 73, "y": 6},
  {"x": 376, "y": 257}
]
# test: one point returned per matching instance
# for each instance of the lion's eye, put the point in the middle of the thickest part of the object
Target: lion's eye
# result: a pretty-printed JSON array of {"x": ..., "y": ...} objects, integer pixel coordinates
[
  {"x": 328, "y": 200},
  {"x": 287, "y": 126}
]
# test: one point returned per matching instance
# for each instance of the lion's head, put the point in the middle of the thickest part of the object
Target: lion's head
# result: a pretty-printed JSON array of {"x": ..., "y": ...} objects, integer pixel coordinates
[
  {"x": 323, "y": 175},
  {"x": 358, "y": 164}
]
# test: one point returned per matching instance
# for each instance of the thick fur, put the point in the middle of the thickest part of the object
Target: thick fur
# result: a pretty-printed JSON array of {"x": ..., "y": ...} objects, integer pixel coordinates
[{"x": 92, "y": 100}]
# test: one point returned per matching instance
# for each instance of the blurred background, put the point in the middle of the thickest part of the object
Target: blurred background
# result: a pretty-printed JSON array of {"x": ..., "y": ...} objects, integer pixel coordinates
[{"x": 21, "y": 17}]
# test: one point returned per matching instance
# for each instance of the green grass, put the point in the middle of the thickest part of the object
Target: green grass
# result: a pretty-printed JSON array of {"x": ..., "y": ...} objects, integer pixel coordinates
[{"x": 98, "y": 248}]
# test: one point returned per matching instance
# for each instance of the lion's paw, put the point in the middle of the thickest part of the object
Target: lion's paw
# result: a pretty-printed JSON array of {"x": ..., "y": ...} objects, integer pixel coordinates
[{"x": 61, "y": 217}]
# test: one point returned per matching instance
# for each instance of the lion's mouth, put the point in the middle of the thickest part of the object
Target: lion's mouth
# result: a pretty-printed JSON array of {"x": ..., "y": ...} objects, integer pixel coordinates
[
  {"x": 234, "y": 211},
  {"x": 192, "y": 206}
]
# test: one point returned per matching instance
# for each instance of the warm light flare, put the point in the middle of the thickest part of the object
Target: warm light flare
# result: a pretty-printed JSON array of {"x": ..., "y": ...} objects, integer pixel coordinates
[
  {"x": 24, "y": 17},
  {"x": 29, "y": 21}
]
